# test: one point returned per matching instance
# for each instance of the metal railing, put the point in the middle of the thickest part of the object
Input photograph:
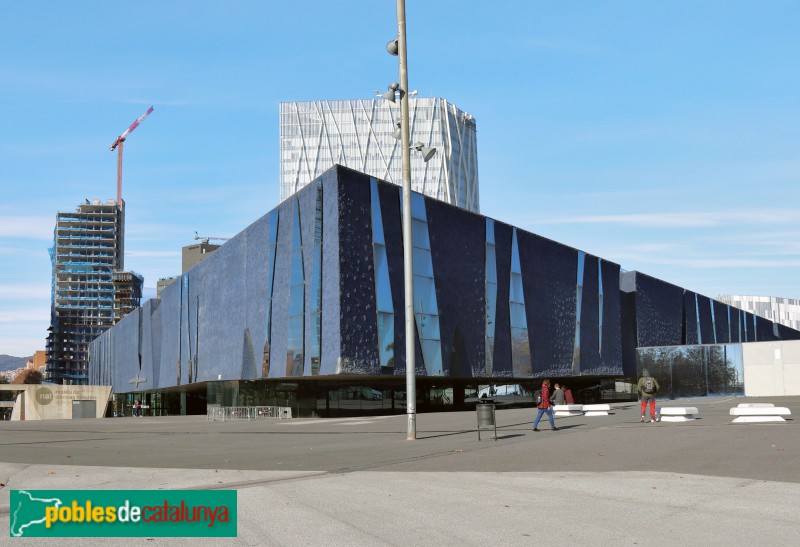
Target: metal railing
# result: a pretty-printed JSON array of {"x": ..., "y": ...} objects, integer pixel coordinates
[{"x": 230, "y": 413}]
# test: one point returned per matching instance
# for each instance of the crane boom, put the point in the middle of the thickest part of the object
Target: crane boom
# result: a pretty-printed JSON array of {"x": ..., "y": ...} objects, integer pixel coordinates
[
  {"x": 118, "y": 146},
  {"x": 128, "y": 131}
]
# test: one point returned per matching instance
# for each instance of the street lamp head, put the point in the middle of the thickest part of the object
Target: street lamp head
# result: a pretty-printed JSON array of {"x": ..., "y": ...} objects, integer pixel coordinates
[
  {"x": 390, "y": 95},
  {"x": 393, "y": 47},
  {"x": 426, "y": 151},
  {"x": 397, "y": 133}
]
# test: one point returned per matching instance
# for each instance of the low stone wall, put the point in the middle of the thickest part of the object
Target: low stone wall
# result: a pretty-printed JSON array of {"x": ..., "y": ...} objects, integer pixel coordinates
[
  {"x": 56, "y": 402},
  {"x": 771, "y": 369}
]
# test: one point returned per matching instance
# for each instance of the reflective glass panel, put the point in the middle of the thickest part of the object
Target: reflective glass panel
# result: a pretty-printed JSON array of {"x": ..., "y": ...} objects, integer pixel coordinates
[
  {"x": 697, "y": 313},
  {"x": 315, "y": 313},
  {"x": 600, "y": 305},
  {"x": 520, "y": 345},
  {"x": 744, "y": 322},
  {"x": 383, "y": 289},
  {"x": 294, "y": 349},
  {"x": 725, "y": 370},
  {"x": 692, "y": 371},
  {"x": 426, "y": 309},
  {"x": 491, "y": 294},
  {"x": 713, "y": 319},
  {"x": 689, "y": 371},
  {"x": 576, "y": 352},
  {"x": 272, "y": 221}
]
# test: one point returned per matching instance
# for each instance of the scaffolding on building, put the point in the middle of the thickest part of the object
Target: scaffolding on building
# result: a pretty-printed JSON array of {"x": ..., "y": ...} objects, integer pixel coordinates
[{"x": 90, "y": 290}]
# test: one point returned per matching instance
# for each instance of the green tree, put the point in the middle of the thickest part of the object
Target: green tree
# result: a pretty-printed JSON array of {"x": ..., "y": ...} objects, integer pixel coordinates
[
  {"x": 5, "y": 395},
  {"x": 30, "y": 376}
]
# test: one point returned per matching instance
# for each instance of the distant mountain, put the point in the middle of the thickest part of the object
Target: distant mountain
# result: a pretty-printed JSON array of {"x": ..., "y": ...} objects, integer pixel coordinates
[{"x": 9, "y": 362}]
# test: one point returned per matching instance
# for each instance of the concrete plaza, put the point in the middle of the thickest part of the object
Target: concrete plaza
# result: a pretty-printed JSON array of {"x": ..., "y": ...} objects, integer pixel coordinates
[{"x": 605, "y": 480}]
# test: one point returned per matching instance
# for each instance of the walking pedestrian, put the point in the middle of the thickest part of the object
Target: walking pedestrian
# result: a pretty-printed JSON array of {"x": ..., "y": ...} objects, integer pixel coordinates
[
  {"x": 544, "y": 407},
  {"x": 558, "y": 395},
  {"x": 648, "y": 388},
  {"x": 568, "y": 395}
]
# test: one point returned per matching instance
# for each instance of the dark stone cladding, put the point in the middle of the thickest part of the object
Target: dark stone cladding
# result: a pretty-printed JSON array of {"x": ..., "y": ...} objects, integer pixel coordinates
[
  {"x": 764, "y": 329},
  {"x": 706, "y": 323},
  {"x": 662, "y": 314},
  {"x": 658, "y": 310},
  {"x": 210, "y": 324},
  {"x": 359, "y": 332},
  {"x": 458, "y": 253},
  {"x": 723, "y": 333}
]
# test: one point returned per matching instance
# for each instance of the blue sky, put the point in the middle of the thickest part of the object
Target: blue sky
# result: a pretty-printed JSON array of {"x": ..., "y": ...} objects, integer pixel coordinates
[{"x": 664, "y": 136}]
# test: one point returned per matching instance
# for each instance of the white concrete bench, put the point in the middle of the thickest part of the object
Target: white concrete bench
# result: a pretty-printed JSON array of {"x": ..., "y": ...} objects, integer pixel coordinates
[
  {"x": 677, "y": 413},
  {"x": 568, "y": 410},
  {"x": 596, "y": 410},
  {"x": 755, "y": 405},
  {"x": 751, "y": 414}
]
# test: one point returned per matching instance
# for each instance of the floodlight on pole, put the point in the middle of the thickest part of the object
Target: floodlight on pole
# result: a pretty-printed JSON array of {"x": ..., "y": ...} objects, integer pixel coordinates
[
  {"x": 397, "y": 133},
  {"x": 393, "y": 47},
  {"x": 394, "y": 87},
  {"x": 426, "y": 151}
]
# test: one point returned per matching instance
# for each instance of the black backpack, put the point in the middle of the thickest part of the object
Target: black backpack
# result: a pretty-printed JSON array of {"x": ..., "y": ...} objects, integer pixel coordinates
[
  {"x": 537, "y": 397},
  {"x": 649, "y": 386}
]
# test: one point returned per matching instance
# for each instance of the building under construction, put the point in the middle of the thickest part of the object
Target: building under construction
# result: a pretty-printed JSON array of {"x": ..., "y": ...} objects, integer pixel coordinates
[{"x": 90, "y": 289}]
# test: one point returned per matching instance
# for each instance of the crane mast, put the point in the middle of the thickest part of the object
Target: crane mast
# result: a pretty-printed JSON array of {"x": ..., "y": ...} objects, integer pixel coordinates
[{"x": 118, "y": 146}]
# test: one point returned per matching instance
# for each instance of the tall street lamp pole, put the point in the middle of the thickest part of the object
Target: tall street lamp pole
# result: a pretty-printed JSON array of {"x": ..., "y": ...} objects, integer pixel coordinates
[{"x": 408, "y": 261}]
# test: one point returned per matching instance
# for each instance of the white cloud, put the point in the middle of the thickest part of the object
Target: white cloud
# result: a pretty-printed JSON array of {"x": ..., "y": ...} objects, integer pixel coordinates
[
  {"x": 27, "y": 314},
  {"x": 24, "y": 291},
  {"x": 31, "y": 227},
  {"x": 24, "y": 330},
  {"x": 682, "y": 220},
  {"x": 38, "y": 252},
  {"x": 632, "y": 257},
  {"x": 21, "y": 347},
  {"x": 153, "y": 254}
]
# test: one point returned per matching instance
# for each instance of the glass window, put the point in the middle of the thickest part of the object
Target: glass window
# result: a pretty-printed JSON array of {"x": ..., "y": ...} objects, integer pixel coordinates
[
  {"x": 697, "y": 313},
  {"x": 491, "y": 294},
  {"x": 425, "y": 305},
  {"x": 600, "y": 306},
  {"x": 423, "y": 257},
  {"x": 315, "y": 313},
  {"x": 691, "y": 371},
  {"x": 419, "y": 233},
  {"x": 520, "y": 344},
  {"x": 713, "y": 319},
  {"x": 383, "y": 289},
  {"x": 272, "y": 221},
  {"x": 294, "y": 350},
  {"x": 576, "y": 352}
]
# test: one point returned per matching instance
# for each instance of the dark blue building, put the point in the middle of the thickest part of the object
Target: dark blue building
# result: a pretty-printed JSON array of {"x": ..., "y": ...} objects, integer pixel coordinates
[{"x": 304, "y": 308}]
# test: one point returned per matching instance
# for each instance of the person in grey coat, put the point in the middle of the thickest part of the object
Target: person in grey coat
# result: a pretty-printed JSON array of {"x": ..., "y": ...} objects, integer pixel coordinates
[{"x": 558, "y": 395}]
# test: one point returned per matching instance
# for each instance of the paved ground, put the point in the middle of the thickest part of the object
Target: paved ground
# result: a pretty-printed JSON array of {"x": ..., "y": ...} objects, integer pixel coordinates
[{"x": 358, "y": 481}]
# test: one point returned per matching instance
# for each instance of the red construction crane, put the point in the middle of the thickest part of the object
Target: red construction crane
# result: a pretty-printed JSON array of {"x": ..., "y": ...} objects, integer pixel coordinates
[{"x": 118, "y": 145}]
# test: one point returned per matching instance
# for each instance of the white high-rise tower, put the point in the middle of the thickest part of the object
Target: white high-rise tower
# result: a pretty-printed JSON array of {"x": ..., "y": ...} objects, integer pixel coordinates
[{"x": 316, "y": 135}]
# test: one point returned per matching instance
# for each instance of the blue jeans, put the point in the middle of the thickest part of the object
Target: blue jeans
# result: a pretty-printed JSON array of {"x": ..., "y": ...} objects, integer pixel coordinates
[{"x": 549, "y": 412}]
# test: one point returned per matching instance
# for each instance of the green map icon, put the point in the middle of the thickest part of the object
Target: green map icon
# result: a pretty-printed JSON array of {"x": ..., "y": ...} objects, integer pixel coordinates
[{"x": 28, "y": 511}]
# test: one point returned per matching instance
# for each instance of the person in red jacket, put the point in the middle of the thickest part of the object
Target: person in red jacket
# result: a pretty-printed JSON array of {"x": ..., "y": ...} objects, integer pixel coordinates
[
  {"x": 568, "y": 395},
  {"x": 544, "y": 406}
]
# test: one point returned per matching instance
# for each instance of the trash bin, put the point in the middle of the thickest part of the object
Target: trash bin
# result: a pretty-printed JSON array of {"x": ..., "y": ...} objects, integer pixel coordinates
[{"x": 486, "y": 415}]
